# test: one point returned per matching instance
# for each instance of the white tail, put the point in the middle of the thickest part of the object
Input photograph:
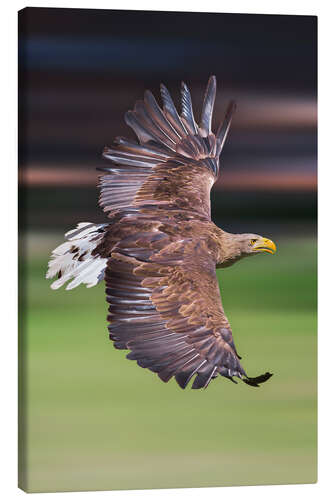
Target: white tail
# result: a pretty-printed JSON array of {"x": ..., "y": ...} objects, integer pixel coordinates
[{"x": 73, "y": 259}]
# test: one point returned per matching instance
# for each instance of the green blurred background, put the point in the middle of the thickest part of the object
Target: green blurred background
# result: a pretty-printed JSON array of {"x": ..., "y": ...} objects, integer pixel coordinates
[
  {"x": 89, "y": 418},
  {"x": 94, "y": 420}
]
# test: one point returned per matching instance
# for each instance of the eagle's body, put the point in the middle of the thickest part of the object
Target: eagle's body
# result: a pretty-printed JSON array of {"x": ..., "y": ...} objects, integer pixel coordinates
[{"x": 159, "y": 251}]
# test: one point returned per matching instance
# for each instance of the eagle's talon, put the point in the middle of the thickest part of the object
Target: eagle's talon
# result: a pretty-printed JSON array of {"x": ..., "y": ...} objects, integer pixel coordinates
[{"x": 255, "y": 381}]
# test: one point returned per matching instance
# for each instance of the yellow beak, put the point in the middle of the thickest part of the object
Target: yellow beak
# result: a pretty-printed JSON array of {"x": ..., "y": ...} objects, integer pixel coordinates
[{"x": 265, "y": 245}]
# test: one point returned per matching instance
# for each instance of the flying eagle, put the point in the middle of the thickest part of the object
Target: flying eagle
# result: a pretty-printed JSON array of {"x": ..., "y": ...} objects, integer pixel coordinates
[{"x": 159, "y": 251}]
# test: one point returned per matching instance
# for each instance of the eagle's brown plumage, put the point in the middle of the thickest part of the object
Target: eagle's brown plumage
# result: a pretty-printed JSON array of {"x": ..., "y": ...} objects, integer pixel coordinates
[{"x": 160, "y": 250}]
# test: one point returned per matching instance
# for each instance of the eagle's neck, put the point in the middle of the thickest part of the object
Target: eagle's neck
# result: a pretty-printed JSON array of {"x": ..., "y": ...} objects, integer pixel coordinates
[{"x": 230, "y": 250}]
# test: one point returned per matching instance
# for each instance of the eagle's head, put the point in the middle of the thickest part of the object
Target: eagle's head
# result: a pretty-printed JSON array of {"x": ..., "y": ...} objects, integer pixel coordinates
[
  {"x": 252, "y": 244},
  {"x": 238, "y": 246}
]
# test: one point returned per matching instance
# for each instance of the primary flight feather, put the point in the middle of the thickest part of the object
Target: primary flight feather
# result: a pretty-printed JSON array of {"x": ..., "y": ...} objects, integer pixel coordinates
[{"x": 159, "y": 250}]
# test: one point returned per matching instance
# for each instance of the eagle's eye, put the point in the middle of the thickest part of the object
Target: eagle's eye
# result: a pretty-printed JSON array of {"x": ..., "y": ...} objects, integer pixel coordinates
[{"x": 253, "y": 241}]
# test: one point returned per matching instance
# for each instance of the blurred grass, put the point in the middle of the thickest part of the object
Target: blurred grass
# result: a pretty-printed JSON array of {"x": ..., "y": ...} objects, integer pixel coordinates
[{"x": 94, "y": 420}]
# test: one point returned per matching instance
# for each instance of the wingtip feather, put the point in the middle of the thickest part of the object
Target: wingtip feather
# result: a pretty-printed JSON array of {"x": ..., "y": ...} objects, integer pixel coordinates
[
  {"x": 224, "y": 127},
  {"x": 208, "y": 107}
]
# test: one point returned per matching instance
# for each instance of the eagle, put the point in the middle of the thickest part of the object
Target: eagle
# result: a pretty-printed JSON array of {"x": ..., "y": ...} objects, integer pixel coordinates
[{"x": 159, "y": 250}]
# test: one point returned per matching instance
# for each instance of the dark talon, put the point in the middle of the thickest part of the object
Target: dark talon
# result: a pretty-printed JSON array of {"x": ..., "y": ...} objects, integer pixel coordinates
[{"x": 255, "y": 381}]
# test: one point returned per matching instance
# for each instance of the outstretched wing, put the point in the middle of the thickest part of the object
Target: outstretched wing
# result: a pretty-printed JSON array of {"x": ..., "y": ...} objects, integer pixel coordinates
[
  {"x": 165, "y": 307},
  {"x": 176, "y": 161}
]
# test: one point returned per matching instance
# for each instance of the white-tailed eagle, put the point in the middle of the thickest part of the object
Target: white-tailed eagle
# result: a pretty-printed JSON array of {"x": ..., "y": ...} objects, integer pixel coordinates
[{"x": 159, "y": 250}]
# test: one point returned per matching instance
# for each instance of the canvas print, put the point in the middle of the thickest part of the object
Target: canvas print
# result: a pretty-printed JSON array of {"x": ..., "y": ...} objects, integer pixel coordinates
[{"x": 155, "y": 158}]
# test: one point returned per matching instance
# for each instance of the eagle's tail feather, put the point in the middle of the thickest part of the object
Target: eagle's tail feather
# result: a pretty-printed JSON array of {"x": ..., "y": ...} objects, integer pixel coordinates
[{"x": 73, "y": 260}]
